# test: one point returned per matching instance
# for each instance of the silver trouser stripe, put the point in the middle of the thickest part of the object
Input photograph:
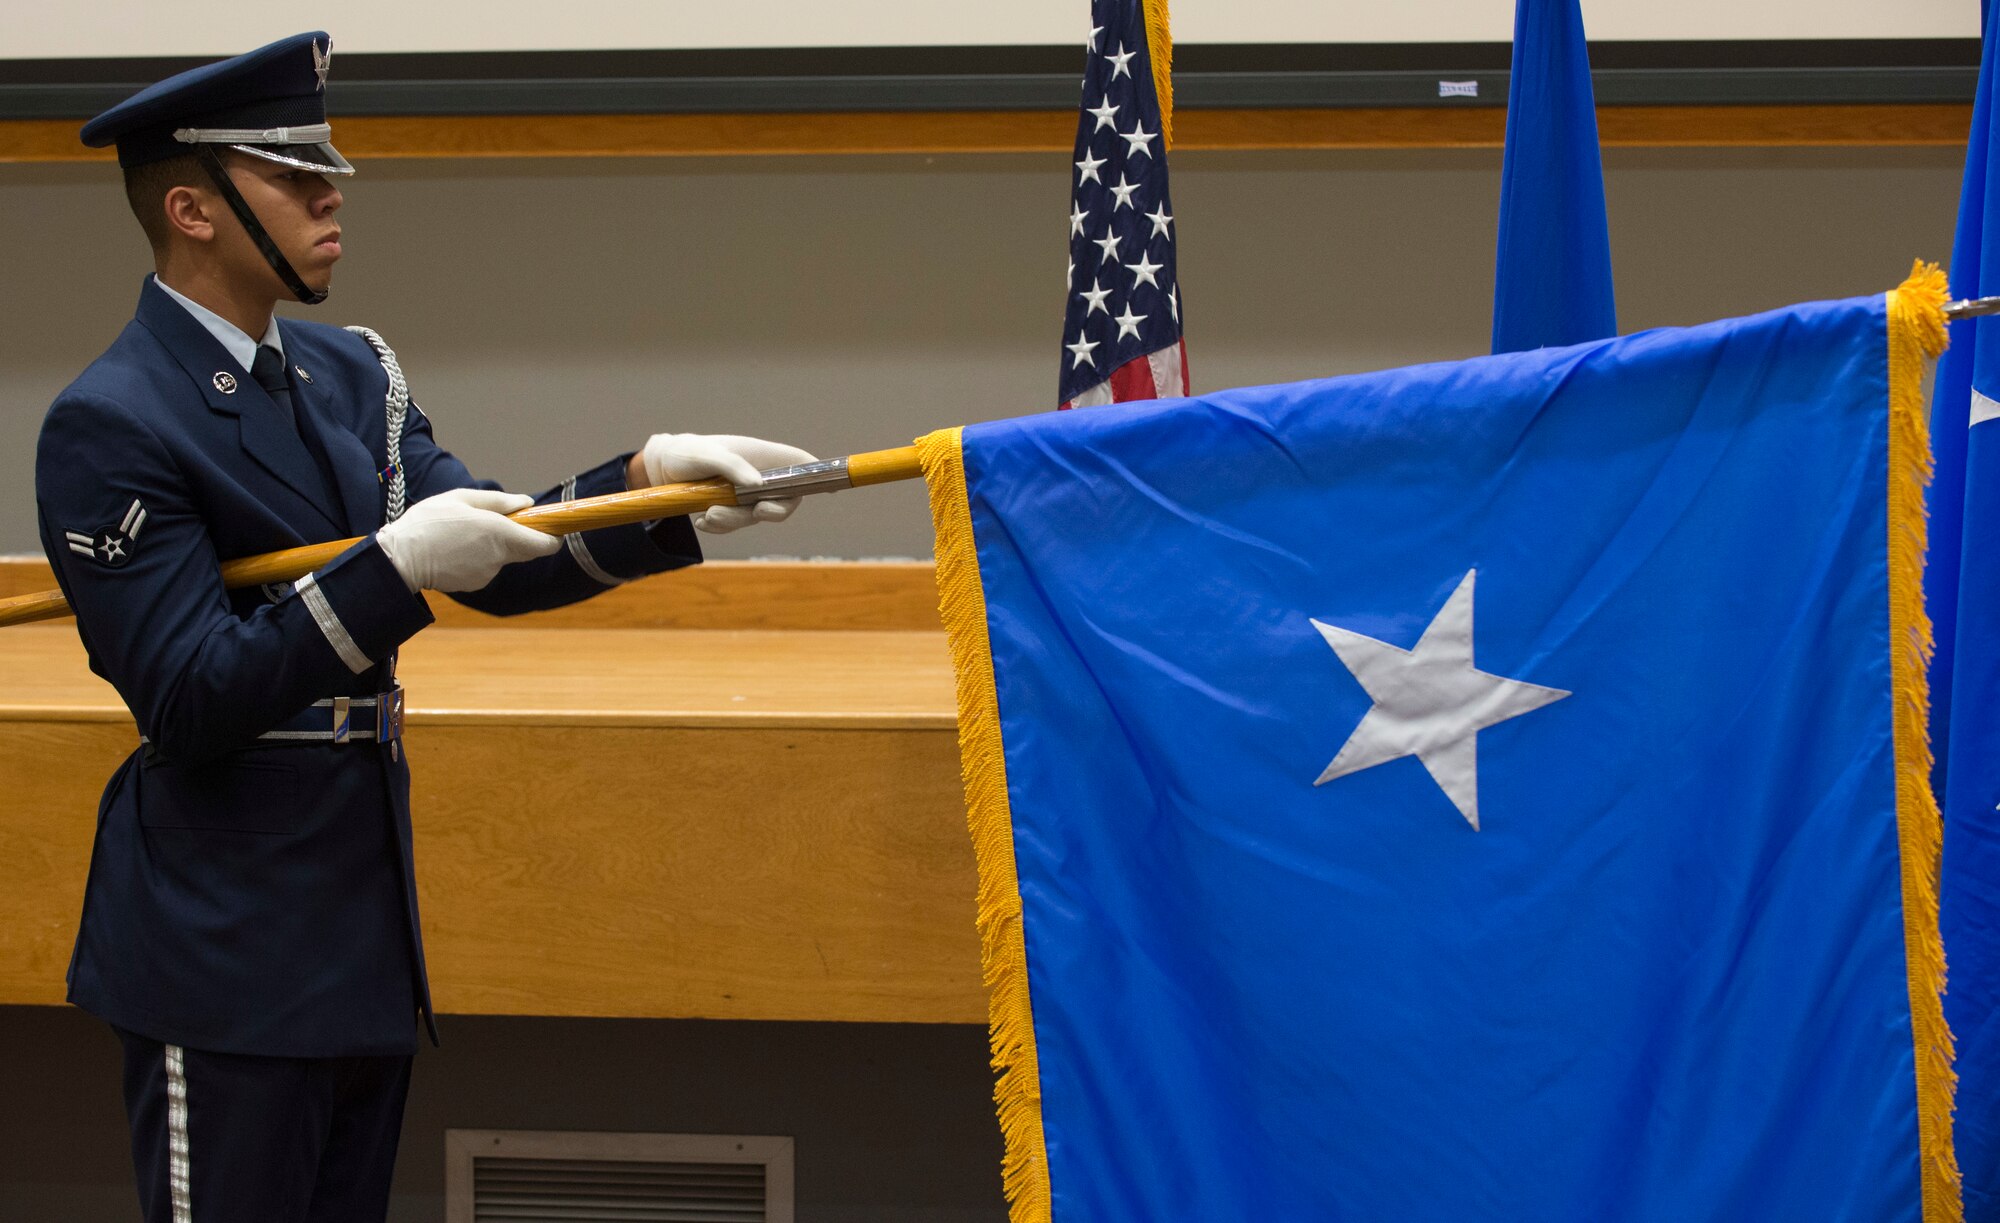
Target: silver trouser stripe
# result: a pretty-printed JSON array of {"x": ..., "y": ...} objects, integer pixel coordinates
[
  {"x": 180, "y": 1187},
  {"x": 578, "y": 550},
  {"x": 336, "y": 632}
]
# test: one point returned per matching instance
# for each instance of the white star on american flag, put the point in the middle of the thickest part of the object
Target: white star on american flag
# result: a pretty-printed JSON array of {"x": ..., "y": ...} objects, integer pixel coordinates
[{"x": 1134, "y": 353}]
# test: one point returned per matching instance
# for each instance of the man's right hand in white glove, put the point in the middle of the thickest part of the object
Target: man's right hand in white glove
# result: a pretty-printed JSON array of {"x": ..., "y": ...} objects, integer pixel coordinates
[{"x": 459, "y": 540}]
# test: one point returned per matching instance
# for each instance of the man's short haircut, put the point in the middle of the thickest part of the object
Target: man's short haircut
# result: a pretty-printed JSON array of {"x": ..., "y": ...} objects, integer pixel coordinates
[{"x": 146, "y": 190}]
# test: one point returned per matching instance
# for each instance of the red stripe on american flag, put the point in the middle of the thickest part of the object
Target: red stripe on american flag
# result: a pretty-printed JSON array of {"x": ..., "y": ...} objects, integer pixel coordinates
[{"x": 1134, "y": 379}]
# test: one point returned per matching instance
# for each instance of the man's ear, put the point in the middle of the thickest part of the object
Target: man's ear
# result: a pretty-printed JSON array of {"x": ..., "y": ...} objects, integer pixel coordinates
[{"x": 188, "y": 214}]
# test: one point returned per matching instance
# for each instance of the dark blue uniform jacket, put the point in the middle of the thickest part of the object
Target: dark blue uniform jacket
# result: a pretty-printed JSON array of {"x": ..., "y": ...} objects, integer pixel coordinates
[{"x": 252, "y": 896}]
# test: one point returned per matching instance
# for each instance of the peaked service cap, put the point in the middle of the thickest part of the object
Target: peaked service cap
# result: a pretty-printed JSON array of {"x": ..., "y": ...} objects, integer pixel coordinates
[{"x": 269, "y": 103}]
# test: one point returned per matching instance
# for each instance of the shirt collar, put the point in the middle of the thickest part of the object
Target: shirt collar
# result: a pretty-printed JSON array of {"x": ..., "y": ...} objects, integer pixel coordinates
[{"x": 233, "y": 338}]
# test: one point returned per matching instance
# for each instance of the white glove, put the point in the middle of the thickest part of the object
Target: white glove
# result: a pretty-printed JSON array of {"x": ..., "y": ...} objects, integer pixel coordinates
[
  {"x": 674, "y": 457},
  {"x": 458, "y": 540}
]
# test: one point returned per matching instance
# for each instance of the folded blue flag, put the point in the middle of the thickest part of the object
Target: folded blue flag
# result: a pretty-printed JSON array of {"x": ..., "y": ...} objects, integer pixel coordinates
[
  {"x": 1485, "y": 791},
  {"x": 1962, "y": 584},
  {"x": 1552, "y": 277}
]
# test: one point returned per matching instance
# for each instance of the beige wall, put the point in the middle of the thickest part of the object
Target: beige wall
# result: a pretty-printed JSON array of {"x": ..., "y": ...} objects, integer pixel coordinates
[{"x": 549, "y": 313}]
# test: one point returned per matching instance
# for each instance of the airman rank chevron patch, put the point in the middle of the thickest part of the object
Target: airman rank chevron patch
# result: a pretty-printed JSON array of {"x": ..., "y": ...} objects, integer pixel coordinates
[{"x": 110, "y": 546}]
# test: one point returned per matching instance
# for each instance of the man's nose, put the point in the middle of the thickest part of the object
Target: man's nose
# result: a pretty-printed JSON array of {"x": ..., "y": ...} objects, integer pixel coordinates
[{"x": 327, "y": 202}]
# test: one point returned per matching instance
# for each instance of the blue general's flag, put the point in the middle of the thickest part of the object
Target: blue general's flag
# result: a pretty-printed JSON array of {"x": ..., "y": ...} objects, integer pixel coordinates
[
  {"x": 1964, "y": 589},
  {"x": 1486, "y": 791},
  {"x": 1121, "y": 336},
  {"x": 1552, "y": 284}
]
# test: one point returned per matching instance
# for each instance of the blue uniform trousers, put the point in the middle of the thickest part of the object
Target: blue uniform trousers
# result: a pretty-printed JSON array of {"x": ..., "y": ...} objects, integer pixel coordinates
[{"x": 234, "y": 1138}]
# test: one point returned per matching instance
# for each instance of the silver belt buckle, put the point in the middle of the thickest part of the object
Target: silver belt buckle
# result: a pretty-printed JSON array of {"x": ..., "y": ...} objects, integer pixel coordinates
[
  {"x": 389, "y": 715},
  {"x": 343, "y": 723}
]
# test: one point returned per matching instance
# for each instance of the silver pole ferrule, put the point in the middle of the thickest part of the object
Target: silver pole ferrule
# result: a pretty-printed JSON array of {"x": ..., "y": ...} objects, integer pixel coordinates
[
  {"x": 1973, "y": 307},
  {"x": 825, "y": 476}
]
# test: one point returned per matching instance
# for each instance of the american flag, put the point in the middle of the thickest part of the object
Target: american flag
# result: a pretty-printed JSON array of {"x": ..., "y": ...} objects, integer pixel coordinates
[{"x": 1122, "y": 329}]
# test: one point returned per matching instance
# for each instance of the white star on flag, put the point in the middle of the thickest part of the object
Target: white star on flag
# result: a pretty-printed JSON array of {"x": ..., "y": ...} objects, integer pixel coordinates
[
  {"x": 1121, "y": 63},
  {"x": 1160, "y": 218},
  {"x": 1128, "y": 322},
  {"x": 1109, "y": 243},
  {"x": 1095, "y": 296},
  {"x": 1106, "y": 116},
  {"x": 1137, "y": 140},
  {"x": 1429, "y": 702},
  {"x": 1082, "y": 349},
  {"x": 1124, "y": 192},
  {"x": 1076, "y": 221},
  {"x": 1087, "y": 168},
  {"x": 1142, "y": 272}
]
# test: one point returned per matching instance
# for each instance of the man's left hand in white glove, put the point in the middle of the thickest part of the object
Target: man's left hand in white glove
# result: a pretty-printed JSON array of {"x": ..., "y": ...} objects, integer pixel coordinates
[{"x": 672, "y": 458}]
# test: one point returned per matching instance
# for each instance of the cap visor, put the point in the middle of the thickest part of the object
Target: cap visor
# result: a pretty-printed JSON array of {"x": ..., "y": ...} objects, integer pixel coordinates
[{"x": 320, "y": 158}]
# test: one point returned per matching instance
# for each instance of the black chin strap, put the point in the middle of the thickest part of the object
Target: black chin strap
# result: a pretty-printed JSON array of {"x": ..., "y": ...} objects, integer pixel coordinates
[{"x": 241, "y": 207}]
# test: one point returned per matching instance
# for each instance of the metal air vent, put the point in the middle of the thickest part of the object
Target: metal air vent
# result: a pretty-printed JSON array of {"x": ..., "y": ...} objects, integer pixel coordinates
[{"x": 533, "y": 1176}]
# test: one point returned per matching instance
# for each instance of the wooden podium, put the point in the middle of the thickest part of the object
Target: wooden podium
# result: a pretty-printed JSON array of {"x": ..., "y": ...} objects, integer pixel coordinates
[{"x": 730, "y": 792}]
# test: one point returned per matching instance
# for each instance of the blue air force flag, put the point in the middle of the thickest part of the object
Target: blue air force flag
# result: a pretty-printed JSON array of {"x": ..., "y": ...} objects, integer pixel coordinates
[{"x": 1486, "y": 791}]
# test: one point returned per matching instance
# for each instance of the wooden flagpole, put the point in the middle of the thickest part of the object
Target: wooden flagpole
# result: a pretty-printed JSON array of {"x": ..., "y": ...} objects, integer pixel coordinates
[{"x": 558, "y": 518}]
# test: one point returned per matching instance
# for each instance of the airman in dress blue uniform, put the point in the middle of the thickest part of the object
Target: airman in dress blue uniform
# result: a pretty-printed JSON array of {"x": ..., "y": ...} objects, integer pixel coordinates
[{"x": 250, "y": 921}]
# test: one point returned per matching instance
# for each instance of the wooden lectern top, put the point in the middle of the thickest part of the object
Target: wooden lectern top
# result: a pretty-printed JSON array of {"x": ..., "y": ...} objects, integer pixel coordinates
[{"x": 583, "y": 677}]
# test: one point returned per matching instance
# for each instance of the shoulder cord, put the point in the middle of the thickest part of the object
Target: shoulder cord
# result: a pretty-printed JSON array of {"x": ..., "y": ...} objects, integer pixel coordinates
[{"x": 397, "y": 407}]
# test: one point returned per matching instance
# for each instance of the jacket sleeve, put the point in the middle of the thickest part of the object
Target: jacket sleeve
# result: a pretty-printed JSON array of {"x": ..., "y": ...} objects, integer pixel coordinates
[
  {"x": 126, "y": 538},
  {"x": 591, "y": 561}
]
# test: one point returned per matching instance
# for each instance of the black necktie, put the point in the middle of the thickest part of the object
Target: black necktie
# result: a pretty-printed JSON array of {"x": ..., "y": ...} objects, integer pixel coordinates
[{"x": 269, "y": 371}]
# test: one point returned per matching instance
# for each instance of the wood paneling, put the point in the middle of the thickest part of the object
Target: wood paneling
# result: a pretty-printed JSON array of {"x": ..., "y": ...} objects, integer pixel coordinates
[
  {"x": 609, "y": 822},
  {"x": 733, "y": 874},
  {"x": 53, "y": 772},
  {"x": 367, "y": 136},
  {"x": 778, "y": 595}
]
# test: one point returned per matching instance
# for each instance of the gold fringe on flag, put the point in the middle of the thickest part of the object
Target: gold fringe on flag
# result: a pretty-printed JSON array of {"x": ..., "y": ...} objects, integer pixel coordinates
[
  {"x": 1160, "y": 50},
  {"x": 1916, "y": 336},
  {"x": 1017, "y": 1089}
]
